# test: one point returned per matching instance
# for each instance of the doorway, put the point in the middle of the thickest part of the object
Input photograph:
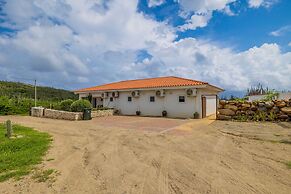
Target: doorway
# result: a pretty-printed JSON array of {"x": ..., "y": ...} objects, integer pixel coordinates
[{"x": 209, "y": 105}]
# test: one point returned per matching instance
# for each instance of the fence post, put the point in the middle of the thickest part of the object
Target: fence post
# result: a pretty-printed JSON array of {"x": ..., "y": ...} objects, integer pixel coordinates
[{"x": 9, "y": 129}]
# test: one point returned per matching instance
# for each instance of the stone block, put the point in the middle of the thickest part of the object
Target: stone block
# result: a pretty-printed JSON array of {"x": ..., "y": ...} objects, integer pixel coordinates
[{"x": 226, "y": 112}]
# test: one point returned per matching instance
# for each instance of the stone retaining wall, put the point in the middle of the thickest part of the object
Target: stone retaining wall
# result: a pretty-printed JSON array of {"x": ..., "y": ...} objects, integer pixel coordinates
[
  {"x": 64, "y": 115},
  {"x": 276, "y": 110},
  {"x": 102, "y": 113},
  {"x": 37, "y": 111}
]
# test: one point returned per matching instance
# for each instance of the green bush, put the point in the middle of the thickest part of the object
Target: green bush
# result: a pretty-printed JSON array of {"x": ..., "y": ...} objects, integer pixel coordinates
[
  {"x": 272, "y": 116},
  {"x": 13, "y": 106},
  {"x": 260, "y": 116},
  {"x": 80, "y": 105},
  {"x": 65, "y": 105},
  {"x": 5, "y": 107},
  {"x": 242, "y": 118},
  {"x": 271, "y": 95}
]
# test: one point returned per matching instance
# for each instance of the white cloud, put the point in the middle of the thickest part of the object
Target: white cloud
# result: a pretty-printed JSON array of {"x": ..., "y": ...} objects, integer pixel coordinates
[
  {"x": 202, "y": 6},
  {"x": 200, "y": 12},
  {"x": 82, "y": 43},
  {"x": 228, "y": 11},
  {"x": 86, "y": 39},
  {"x": 261, "y": 3},
  {"x": 223, "y": 66},
  {"x": 154, "y": 3},
  {"x": 281, "y": 31},
  {"x": 196, "y": 20}
]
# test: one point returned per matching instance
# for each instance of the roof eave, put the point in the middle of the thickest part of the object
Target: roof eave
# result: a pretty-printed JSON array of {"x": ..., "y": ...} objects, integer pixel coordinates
[{"x": 149, "y": 88}]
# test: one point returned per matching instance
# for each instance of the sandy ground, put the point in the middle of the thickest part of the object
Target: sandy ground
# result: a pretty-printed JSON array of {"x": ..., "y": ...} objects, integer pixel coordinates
[{"x": 127, "y": 155}]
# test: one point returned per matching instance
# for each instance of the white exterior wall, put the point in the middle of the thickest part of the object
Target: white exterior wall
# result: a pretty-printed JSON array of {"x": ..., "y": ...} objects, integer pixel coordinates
[
  {"x": 180, "y": 109},
  {"x": 108, "y": 103},
  {"x": 83, "y": 95},
  {"x": 281, "y": 96},
  {"x": 256, "y": 97},
  {"x": 170, "y": 102},
  {"x": 284, "y": 96}
]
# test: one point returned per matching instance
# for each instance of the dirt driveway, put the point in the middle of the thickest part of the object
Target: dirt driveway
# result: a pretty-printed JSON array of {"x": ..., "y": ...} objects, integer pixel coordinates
[{"x": 155, "y": 155}]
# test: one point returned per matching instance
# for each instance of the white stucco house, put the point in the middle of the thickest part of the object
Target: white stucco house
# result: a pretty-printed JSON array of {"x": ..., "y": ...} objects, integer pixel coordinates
[{"x": 179, "y": 97}]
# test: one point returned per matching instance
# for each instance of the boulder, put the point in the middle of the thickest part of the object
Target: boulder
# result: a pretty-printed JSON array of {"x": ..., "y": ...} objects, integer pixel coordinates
[
  {"x": 262, "y": 108},
  {"x": 269, "y": 104},
  {"x": 244, "y": 105},
  {"x": 275, "y": 109},
  {"x": 231, "y": 107},
  {"x": 219, "y": 106},
  {"x": 226, "y": 112},
  {"x": 254, "y": 108},
  {"x": 283, "y": 117},
  {"x": 286, "y": 110},
  {"x": 223, "y": 117},
  {"x": 222, "y": 102},
  {"x": 281, "y": 104},
  {"x": 250, "y": 112}
]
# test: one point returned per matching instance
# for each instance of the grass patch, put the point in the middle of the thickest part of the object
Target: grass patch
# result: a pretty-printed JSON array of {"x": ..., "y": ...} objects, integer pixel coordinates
[
  {"x": 285, "y": 141},
  {"x": 43, "y": 176},
  {"x": 288, "y": 164},
  {"x": 18, "y": 156}
]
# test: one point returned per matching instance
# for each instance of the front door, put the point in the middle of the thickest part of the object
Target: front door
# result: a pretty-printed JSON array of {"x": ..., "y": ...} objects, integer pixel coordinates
[{"x": 94, "y": 102}]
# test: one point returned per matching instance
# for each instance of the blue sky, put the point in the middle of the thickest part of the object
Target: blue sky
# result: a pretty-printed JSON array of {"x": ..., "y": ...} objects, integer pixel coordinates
[
  {"x": 247, "y": 28},
  {"x": 71, "y": 44}
]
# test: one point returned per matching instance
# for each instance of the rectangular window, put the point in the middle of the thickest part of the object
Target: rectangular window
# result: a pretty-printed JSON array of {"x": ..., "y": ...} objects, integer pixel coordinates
[
  {"x": 111, "y": 99},
  {"x": 129, "y": 99},
  {"x": 181, "y": 98},
  {"x": 152, "y": 98}
]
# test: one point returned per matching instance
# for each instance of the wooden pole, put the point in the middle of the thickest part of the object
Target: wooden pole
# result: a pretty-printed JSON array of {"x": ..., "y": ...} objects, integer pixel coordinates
[{"x": 35, "y": 93}]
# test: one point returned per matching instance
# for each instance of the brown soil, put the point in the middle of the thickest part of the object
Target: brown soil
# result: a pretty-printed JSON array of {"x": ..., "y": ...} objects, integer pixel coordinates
[{"x": 108, "y": 155}]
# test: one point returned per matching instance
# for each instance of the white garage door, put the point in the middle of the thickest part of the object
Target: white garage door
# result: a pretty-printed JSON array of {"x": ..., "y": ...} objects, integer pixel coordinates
[{"x": 210, "y": 105}]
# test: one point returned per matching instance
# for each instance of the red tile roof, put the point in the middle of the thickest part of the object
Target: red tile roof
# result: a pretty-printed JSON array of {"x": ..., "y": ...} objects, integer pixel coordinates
[{"x": 159, "y": 82}]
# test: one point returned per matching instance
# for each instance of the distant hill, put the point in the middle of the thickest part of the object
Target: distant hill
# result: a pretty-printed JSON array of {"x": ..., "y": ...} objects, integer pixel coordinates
[{"x": 17, "y": 89}]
